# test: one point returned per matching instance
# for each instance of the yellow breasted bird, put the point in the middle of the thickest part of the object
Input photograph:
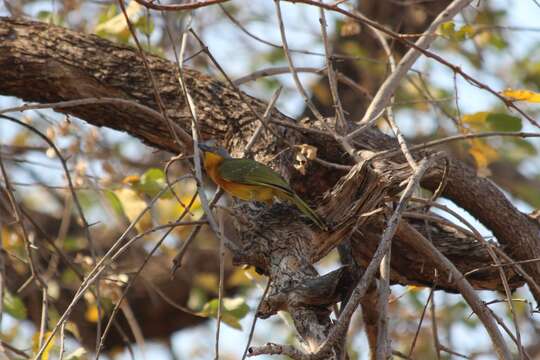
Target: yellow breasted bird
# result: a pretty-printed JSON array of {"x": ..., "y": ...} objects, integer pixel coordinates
[{"x": 250, "y": 180}]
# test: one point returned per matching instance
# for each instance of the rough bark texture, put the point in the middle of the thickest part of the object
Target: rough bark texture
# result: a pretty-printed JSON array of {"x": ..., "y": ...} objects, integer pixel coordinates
[{"x": 44, "y": 63}]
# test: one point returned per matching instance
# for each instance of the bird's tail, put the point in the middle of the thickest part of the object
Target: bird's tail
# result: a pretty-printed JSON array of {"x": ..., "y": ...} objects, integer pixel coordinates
[{"x": 306, "y": 210}]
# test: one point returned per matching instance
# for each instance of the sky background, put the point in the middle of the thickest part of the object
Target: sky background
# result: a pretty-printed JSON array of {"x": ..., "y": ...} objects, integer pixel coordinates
[{"x": 302, "y": 31}]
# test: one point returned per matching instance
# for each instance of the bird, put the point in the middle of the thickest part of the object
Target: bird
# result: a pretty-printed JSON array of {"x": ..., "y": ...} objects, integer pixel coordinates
[{"x": 250, "y": 180}]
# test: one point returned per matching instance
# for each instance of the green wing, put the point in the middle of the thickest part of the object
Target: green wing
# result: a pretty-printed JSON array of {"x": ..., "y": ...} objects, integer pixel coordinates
[{"x": 250, "y": 172}]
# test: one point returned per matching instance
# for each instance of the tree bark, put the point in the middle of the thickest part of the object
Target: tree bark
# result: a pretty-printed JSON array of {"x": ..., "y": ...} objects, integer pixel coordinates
[{"x": 45, "y": 63}]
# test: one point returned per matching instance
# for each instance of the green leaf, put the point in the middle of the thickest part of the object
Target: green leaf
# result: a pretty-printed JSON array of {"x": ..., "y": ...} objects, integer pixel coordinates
[
  {"x": 233, "y": 310},
  {"x": 14, "y": 306},
  {"x": 503, "y": 122},
  {"x": 236, "y": 307},
  {"x": 529, "y": 193},
  {"x": 525, "y": 147},
  {"x": 114, "y": 202},
  {"x": 447, "y": 29},
  {"x": 274, "y": 56},
  {"x": 152, "y": 182},
  {"x": 145, "y": 25},
  {"x": 465, "y": 32},
  {"x": 498, "y": 42},
  {"x": 49, "y": 17}
]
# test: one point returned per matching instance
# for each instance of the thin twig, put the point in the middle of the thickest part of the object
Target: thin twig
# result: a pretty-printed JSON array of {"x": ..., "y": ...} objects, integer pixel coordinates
[
  {"x": 177, "y": 260},
  {"x": 429, "y": 299},
  {"x": 186, "y": 139},
  {"x": 502, "y": 273},
  {"x": 341, "y": 326},
  {"x": 14, "y": 350},
  {"x": 252, "y": 329},
  {"x": 118, "y": 304},
  {"x": 306, "y": 52},
  {"x": 341, "y": 140},
  {"x": 265, "y": 118},
  {"x": 392, "y": 152},
  {"x": 199, "y": 176},
  {"x": 157, "y": 95},
  {"x": 114, "y": 251},
  {"x": 179, "y": 7},
  {"x": 18, "y": 220},
  {"x": 319, "y": 71},
  {"x": 221, "y": 284},
  {"x": 426, "y": 248},
  {"x": 390, "y": 85},
  {"x": 416, "y": 49},
  {"x": 341, "y": 122}
]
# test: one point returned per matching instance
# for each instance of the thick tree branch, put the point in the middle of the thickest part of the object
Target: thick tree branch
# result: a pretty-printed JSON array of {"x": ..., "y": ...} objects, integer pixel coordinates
[{"x": 44, "y": 63}]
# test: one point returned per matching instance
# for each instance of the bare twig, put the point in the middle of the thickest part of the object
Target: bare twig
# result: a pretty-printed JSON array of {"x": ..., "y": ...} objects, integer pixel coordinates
[
  {"x": 157, "y": 95},
  {"x": 341, "y": 122},
  {"x": 275, "y": 349},
  {"x": 114, "y": 251},
  {"x": 392, "y": 152},
  {"x": 286, "y": 70},
  {"x": 177, "y": 260},
  {"x": 221, "y": 284},
  {"x": 419, "y": 48},
  {"x": 428, "y": 301},
  {"x": 495, "y": 258},
  {"x": 434, "y": 330},
  {"x": 265, "y": 118},
  {"x": 341, "y": 326},
  {"x": 426, "y": 248},
  {"x": 178, "y": 7},
  {"x": 19, "y": 221},
  {"x": 14, "y": 350},
  {"x": 306, "y": 52},
  {"x": 390, "y": 85},
  {"x": 344, "y": 143},
  {"x": 119, "y": 303},
  {"x": 252, "y": 329}
]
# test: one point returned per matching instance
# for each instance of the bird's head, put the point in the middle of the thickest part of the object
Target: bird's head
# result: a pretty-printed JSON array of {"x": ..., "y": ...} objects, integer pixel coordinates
[
  {"x": 211, "y": 147},
  {"x": 213, "y": 155}
]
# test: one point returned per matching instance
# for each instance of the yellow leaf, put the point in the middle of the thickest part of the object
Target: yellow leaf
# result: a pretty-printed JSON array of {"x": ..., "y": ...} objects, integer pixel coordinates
[
  {"x": 482, "y": 153},
  {"x": 414, "y": 289},
  {"x": 117, "y": 24},
  {"x": 477, "y": 120},
  {"x": 11, "y": 241},
  {"x": 73, "y": 329},
  {"x": 521, "y": 95},
  {"x": 5, "y": 235},
  {"x": 91, "y": 313},
  {"x": 36, "y": 345},
  {"x": 131, "y": 179},
  {"x": 243, "y": 277},
  {"x": 238, "y": 278},
  {"x": 133, "y": 205},
  {"x": 21, "y": 138},
  {"x": 207, "y": 281}
]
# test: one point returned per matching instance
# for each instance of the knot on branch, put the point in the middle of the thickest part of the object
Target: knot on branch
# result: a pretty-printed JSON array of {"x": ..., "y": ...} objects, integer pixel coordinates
[{"x": 317, "y": 293}]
